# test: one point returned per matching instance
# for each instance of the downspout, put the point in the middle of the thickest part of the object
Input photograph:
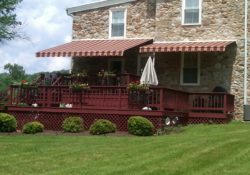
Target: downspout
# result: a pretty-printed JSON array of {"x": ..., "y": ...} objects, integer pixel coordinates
[
  {"x": 71, "y": 59},
  {"x": 245, "y": 54}
]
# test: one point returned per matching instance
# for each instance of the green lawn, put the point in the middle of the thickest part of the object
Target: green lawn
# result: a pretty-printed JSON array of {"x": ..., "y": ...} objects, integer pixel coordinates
[{"x": 199, "y": 150}]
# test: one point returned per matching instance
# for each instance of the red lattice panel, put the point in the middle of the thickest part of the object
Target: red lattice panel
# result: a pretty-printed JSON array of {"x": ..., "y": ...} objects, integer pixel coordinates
[
  {"x": 207, "y": 120},
  {"x": 53, "y": 121}
]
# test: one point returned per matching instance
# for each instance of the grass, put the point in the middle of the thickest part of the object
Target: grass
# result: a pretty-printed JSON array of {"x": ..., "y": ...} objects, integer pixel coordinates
[{"x": 199, "y": 150}]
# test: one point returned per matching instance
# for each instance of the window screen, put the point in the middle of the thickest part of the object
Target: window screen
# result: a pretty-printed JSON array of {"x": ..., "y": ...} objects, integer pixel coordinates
[
  {"x": 117, "y": 23},
  {"x": 191, "y": 11}
]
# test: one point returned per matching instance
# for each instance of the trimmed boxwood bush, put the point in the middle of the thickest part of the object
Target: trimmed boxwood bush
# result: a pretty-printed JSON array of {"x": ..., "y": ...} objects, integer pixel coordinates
[
  {"x": 72, "y": 124},
  {"x": 102, "y": 126},
  {"x": 7, "y": 123},
  {"x": 140, "y": 126},
  {"x": 33, "y": 127}
]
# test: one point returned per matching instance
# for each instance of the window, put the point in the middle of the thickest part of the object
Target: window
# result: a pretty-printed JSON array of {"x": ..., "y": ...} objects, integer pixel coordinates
[
  {"x": 190, "y": 69},
  {"x": 116, "y": 66},
  {"x": 117, "y": 23},
  {"x": 191, "y": 12}
]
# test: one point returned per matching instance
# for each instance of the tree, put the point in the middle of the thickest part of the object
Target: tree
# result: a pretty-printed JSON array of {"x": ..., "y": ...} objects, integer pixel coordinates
[
  {"x": 16, "y": 71},
  {"x": 8, "y": 20}
]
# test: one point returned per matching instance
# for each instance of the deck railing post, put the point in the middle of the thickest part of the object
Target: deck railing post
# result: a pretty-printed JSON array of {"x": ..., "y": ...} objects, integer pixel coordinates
[
  {"x": 225, "y": 105},
  {"x": 161, "y": 99},
  {"x": 120, "y": 100},
  {"x": 44, "y": 96},
  {"x": 49, "y": 97},
  {"x": 232, "y": 103},
  {"x": 10, "y": 96},
  {"x": 18, "y": 96}
]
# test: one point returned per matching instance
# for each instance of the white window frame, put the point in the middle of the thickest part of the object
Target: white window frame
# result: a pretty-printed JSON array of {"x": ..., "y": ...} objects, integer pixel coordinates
[
  {"x": 183, "y": 13},
  {"x": 110, "y": 22},
  {"x": 198, "y": 71}
]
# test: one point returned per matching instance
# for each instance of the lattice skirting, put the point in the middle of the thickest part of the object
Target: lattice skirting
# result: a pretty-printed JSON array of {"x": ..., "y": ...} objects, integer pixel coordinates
[
  {"x": 207, "y": 120},
  {"x": 53, "y": 121}
]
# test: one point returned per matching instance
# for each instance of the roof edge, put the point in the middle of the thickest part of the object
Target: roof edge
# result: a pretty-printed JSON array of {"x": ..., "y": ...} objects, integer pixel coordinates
[
  {"x": 197, "y": 41},
  {"x": 96, "y": 5},
  {"x": 111, "y": 39}
]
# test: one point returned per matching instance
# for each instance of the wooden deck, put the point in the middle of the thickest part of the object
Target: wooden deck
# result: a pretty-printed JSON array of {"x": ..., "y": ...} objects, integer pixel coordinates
[{"x": 117, "y": 104}]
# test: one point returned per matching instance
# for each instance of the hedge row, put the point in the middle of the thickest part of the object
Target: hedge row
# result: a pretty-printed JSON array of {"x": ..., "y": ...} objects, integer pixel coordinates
[{"x": 137, "y": 125}]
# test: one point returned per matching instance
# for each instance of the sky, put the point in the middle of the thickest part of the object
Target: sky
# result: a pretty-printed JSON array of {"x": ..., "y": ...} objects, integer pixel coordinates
[{"x": 45, "y": 24}]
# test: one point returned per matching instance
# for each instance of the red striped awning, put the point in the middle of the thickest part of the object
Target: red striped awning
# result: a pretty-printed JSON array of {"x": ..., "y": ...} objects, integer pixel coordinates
[
  {"x": 204, "y": 46},
  {"x": 89, "y": 48}
]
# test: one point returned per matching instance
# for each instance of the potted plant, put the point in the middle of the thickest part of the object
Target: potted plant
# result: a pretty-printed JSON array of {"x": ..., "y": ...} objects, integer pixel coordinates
[
  {"x": 106, "y": 77},
  {"x": 25, "y": 84},
  {"x": 138, "y": 94},
  {"x": 78, "y": 87},
  {"x": 104, "y": 73},
  {"x": 82, "y": 74},
  {"x": 137, "y": 87}
]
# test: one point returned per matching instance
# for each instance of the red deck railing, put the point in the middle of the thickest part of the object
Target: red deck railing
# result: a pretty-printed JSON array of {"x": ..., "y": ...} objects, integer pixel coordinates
[
  {"x": 52, "y": 96},
  {"x": 67, "y": 79},
  {"x": 207, "y": 102},
  {"x": 117, "y": 97},
  {"x": 168, "y": 99}
]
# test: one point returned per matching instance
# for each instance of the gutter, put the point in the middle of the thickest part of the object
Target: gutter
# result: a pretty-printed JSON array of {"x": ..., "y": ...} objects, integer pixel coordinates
[
  {"x": 97, "y": 5},
  {"x": 245, "y": 53}
]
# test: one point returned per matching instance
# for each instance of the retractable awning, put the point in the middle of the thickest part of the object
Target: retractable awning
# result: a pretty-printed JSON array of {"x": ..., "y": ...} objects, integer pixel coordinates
[
  {"x": 90, "y": 48},
  {"x": 204, "y": 46}
]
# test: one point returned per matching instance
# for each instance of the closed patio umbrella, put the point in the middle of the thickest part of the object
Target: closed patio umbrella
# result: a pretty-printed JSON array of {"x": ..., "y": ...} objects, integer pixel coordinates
[{"x": 149, "y": 75}]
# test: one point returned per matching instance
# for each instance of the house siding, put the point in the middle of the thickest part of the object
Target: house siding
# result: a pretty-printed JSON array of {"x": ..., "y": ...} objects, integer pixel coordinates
[{"x": 162, "y": 21}]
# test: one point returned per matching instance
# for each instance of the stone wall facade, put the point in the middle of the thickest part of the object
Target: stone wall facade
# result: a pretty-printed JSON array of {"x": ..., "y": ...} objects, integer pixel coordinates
[
  {"x": 215, "y": 70},
  {"x": 94, "y": 24},
  {"x": 161, "y": 20}
]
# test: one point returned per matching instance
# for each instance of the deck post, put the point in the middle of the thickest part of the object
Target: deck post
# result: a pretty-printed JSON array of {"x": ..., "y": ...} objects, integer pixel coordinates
[
  {"x": 120, "y": 100},
  {"x": 49, "y": 92},
  {"x": 45, "y": 100},
  {"x": 138, "y": 65},
  {"x": 225, "y": 107},
  {"x": 161, "y": 99},
  {"x": 10, "y": 96},
  {"x": 18, "y": 96}
]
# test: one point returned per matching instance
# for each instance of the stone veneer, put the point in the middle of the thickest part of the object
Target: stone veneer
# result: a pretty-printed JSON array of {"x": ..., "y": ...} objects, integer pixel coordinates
[
  {"x": 161, "y": 20},
  {"x": 94, "y": 24},
  {"x": 215, "y": 70}
]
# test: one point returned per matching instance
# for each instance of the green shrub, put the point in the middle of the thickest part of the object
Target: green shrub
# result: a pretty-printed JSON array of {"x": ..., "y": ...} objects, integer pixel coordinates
[
  {"x": 72, "y": 124},
  {"x": 33, "y": 127},
  {"x": 102, "y": 126},
  {"x": 7, "y": 123},
  {"x": 140, "y": 126}
]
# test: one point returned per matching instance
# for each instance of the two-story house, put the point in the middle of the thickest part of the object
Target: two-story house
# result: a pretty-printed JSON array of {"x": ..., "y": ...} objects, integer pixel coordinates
[{"x": 199, "y": 46}]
